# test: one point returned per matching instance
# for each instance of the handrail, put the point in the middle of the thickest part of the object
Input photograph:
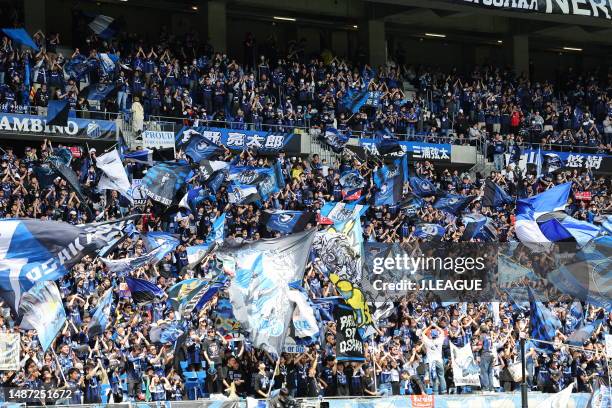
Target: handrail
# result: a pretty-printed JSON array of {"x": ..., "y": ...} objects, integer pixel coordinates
[{"x": 78, "y": 113}]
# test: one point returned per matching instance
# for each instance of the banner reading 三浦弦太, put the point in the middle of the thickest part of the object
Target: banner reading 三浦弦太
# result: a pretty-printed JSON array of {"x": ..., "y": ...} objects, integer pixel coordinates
[
  {"x": 585, "y": 8},
  {"x": 75, "y": 127},
  {"x": 414, "y": 150},
  {"x": 261, "y": 141}
]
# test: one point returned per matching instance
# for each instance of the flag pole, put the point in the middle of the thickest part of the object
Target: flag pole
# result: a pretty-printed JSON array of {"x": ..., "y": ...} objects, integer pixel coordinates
[
  {"x": 524, "y": 401},
  {"x": 59, "y": 365}
]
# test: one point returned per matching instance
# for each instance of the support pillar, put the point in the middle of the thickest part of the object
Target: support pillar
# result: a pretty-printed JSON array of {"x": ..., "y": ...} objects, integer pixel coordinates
[
  {"x": 35, "y": 16},
  {"x": 520, "y": 54},
  {"x": 217, "y": 25},
  {"x": 377, "y": 44}
]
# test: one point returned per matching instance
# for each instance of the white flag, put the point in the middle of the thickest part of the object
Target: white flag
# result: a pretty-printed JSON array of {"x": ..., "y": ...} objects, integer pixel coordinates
[
  {"x": 114, "y": 176},
  {"x": 10, "y": 349},
  {"x": 465, "y": 369},
  {"x": 304, "y": 320},
  {"x": 558, "y": 400}
]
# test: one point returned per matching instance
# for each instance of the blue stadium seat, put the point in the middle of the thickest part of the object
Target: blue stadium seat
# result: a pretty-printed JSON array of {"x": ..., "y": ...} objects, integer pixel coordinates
[
  {"x": 192, "y": 385},
  {"x": 184, "y": 364},
  {"x": 202, "y": 382}
]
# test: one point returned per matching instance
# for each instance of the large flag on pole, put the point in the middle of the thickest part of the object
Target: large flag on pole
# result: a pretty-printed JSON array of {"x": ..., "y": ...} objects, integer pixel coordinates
[
  {"x": 163, "y": 181},
  {"x": 114, "y": 176},
  {"x": 42, "y": 310},
  {"x": 529, "y": 209},
  {"x": 259, "y": 291},
  {"x": 34, "y": 250}
]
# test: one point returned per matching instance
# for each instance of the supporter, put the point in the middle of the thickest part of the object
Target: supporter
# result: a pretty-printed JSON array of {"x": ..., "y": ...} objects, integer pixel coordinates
[{"x": 411, "y": 350}]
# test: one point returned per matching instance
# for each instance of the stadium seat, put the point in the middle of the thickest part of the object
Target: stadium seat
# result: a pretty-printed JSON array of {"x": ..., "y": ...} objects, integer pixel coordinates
[
  {"x": 192, "y": 385},
  {"x": 184, "y": 364},
  {"x": 202, "y": 381}
]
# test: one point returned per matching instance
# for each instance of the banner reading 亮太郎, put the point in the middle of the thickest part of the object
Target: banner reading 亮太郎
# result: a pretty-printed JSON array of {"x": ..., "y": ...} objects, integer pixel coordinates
[{"x": 261, "y": 141}]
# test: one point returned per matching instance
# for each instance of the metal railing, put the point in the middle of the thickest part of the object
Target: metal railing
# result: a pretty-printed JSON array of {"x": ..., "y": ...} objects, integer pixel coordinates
[{"x": 75, "y": 113}]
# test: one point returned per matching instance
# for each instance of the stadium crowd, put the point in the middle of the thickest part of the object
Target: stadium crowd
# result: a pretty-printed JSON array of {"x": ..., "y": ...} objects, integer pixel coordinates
[
  {"x": 410, "y": 352},
  {"x": 180, "y": 77}
]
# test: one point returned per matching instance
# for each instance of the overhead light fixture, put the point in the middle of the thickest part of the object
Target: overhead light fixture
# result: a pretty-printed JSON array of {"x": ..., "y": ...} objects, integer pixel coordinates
[
  {"x": 284, "y": 18},
  {"x": 355, "y": 26},
  {"x": 123, "y": 1},
  {"x": 194, "y": 8},
  {"x": 435, "y": 35},
  {"x": 499, "y": 41},
  {"x": 572, "y": 49}
]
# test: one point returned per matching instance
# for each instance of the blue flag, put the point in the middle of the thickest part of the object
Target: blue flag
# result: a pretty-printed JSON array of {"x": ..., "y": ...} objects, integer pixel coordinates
[
  {"x": 77, "y": 67},
  {"x": 199, "y": 147},
  {"x": 242, "y": 194},
  {"x": 162, "y": 181},
  {"x": 287, "y": 222},
  {"x": 265, "y": 179},
  {"x": 433, "y": 232},
  {"x": 423, "y": 187},
  {"x": 453, "y": 203},
  {"x": 354, "y": 100},
  {"x": 124, "y": 266},
  {"x": 558, "y": 226},
  {"x": 389, "y": 180},
  {"x": 42, "y": 310},
  {"x": 584, "y": 332},
  {"x": 20, "y": 36},
  {"x": 57, "y": 113},
  {"x": 196, "y": 253},
  {"x": 143, "y": 156},
  {"x": 473, "y": 225},
  {"x": 143, "y": 291},
  {"x": 544, "y": 324},
  {"x": 32, "y": 251},
  {"x": 163, "y": 241},
  {"x": 217, "y": 234},
  {"x": 101, "y": 316},
  {"x": 494, "y": 195},
  {"x": 259, "y": 291},
  {"x": 576, "y": 316},
  {"x": 335, "y": 139}
]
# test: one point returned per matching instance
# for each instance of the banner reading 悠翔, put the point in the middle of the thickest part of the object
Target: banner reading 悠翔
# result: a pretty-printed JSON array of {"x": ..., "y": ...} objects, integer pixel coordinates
[
  {"x": 159, "y": 140},
  {"x": 349, "y": 346},
  {"x": 582, "y": 8},
  {"x": 552, "y": 161},
  {"x": 10, "y": 348}
]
